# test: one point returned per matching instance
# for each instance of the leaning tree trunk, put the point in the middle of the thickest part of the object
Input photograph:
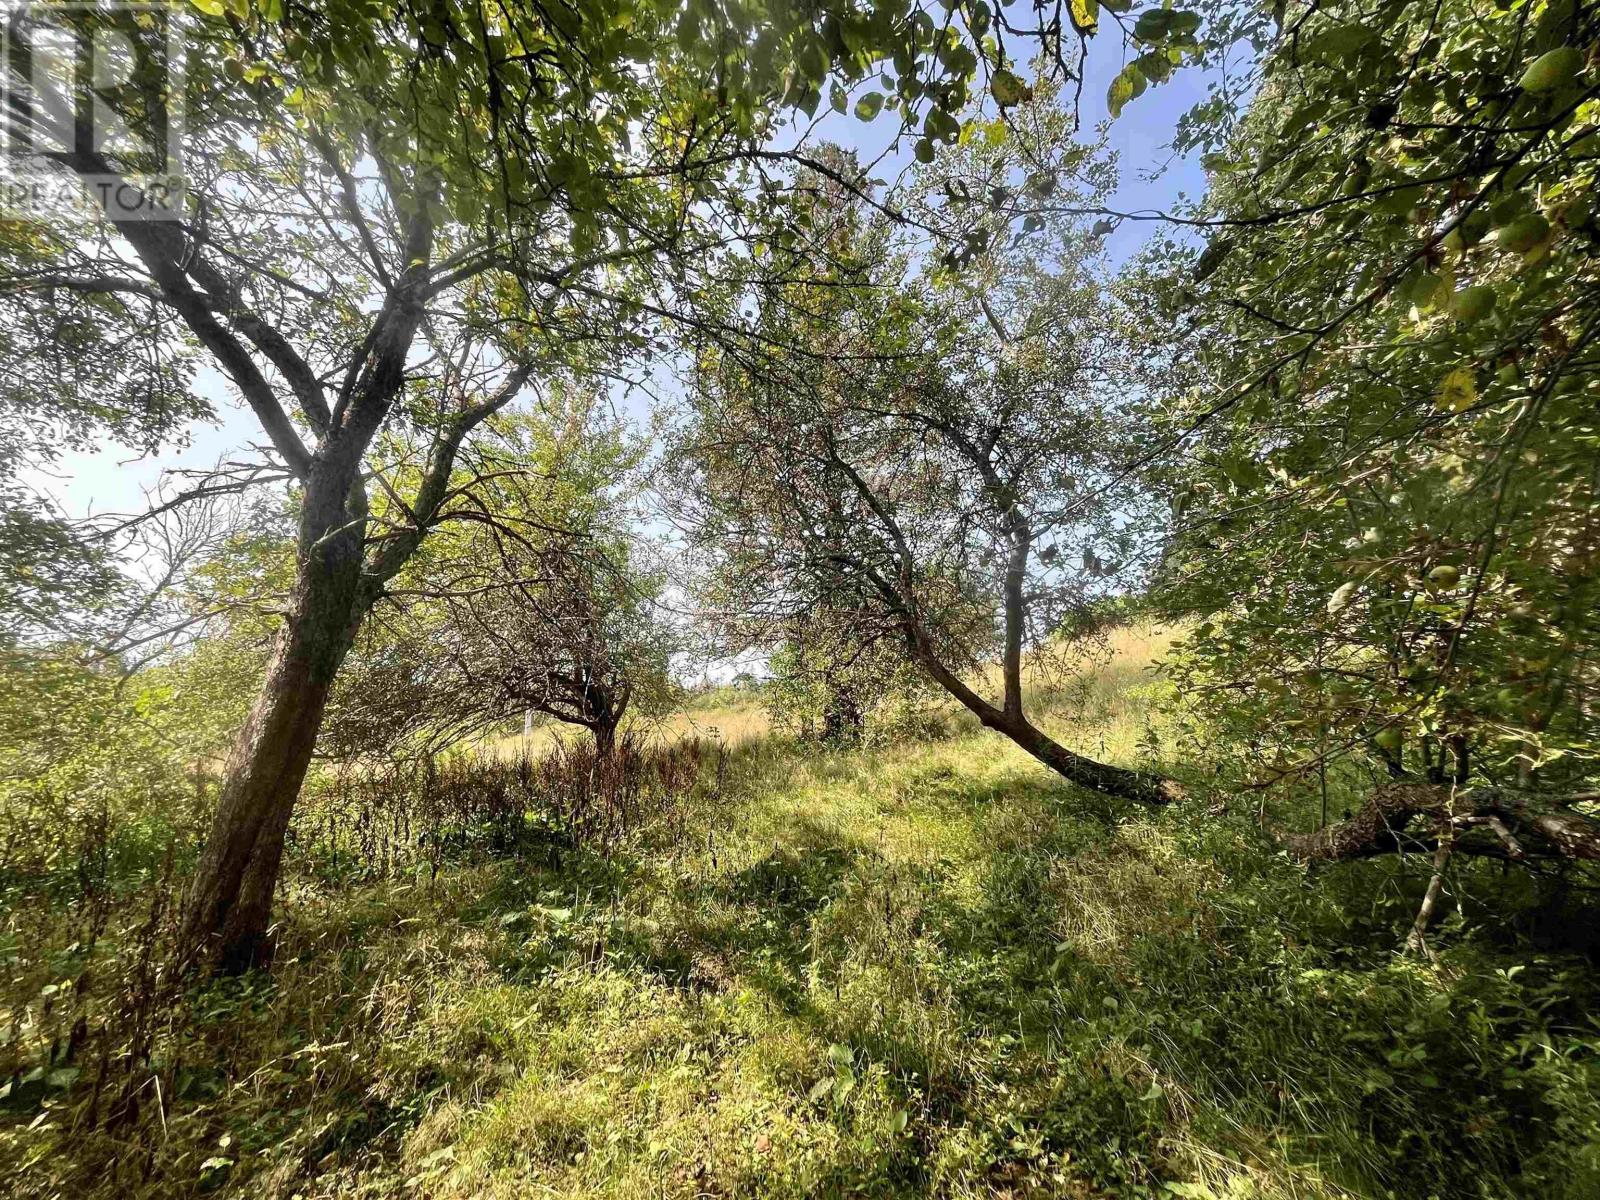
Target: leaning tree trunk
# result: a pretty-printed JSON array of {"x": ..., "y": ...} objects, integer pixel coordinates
[
  {"x": 230, "y": 902},
  {"x": 1141, "y": 786}
]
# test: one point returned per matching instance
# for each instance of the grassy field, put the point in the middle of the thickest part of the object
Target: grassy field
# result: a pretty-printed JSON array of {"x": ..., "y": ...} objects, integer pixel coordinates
[
  {"x": 1094, "y": 702},
  {"x": 726, "y": 716},
  {"x": 928, "y": 969}
]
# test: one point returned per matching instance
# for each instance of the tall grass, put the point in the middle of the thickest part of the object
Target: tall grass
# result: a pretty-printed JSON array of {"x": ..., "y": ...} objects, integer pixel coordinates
[
  {"x": 389, "y": 817},
  {"x": 921, "y": 969},
  {"x": 102, "y": 1037}
]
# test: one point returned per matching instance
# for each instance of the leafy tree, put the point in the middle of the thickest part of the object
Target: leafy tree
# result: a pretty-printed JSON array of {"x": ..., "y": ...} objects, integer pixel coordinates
[
  {"x": 96, "y": 772},
  {"x": 940, "y": 445},
  {"x": 545, "y": 609},
  {"x": 397, "y": 216},
  {"x": 827, "y": 681},
  {"x": 49, "y": 574},
  {"x": 1379, "y": 428}
]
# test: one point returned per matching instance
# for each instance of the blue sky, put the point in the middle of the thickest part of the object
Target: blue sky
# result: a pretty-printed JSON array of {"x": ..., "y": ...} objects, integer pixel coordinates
[{"x": 115, "y": 479}]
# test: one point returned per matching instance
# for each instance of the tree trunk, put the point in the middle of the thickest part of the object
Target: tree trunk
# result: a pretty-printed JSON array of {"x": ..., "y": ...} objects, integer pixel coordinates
[
  {"x": 842, "y": 718},
  {"x": 605, "y": 736},
  {"x": 1418, "y": 816},
  {"x": 1140, "y": 786},
  {"x": 229, "y": 906}
]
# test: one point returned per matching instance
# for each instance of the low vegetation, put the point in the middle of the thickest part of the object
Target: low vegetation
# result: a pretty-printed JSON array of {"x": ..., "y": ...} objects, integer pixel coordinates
[{"x": 929, "y": 967}]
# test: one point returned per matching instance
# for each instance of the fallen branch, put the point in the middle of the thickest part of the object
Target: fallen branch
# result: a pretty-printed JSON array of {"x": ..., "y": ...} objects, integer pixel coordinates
[{"x": 1410, "y": 815}]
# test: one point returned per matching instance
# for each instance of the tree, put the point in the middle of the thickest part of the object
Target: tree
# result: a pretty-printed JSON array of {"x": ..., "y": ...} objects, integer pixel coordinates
[
  {"x": 566, "y": 632},
  {"x": 545, "y": 610},
  {"x": 827, "y": 680},
  {"x": 48, "y": 574},
  {"x": 1378, "y": 432},
  {"x": 942, "y": 445},
  {"x": 393, "y": 220}
]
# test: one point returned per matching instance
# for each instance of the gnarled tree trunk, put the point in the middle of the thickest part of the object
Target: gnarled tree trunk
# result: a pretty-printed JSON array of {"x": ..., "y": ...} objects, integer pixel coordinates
[
  {"x": 1415, "y": 815},
  {"x": 1423, "y": 816}
]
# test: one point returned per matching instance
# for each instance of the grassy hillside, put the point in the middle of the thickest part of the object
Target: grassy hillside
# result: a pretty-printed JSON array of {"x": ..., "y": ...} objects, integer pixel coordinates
[
  {"x": 726, "y": 715},
  {"x": 1095, "y": 701},
  {"x": 924, "y": 970}
]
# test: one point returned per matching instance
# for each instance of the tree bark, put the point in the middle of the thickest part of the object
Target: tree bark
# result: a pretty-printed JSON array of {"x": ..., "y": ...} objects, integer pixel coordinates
[
  {"x": 1417, "y": 939},
  {"x": 605, "y": 736},
  {"x": 229, "y": 908},
  {"x": 230, "y": 902},
  {"x": 1492, "y": 821}
]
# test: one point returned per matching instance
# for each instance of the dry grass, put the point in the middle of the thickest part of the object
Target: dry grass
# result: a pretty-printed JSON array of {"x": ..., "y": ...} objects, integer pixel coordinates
[
  {"x": 1095, "y": 698},
  {"x": 732, "y": 725}
]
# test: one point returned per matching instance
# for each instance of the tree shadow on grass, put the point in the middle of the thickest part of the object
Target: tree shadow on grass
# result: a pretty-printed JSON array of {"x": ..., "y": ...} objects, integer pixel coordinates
[{"x": 752, "y": 925}]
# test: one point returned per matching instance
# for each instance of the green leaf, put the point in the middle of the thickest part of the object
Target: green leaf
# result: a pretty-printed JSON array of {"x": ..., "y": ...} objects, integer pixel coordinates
[
  {"x": 941, "y": 126},
  {"x": 1153, "y": 25},
  {"x": 1154, "y": 66},
  {"x": 1523, "y": 234},
  {"x": 1472, "y": 303},
  {"x": 1183, "y": 24},
  {"x": 1458, "y": 391},
  {"x": 1553, "y": 70},
  {"x": 1008, "y": 88},
  {"x": 869, "y": 106},
  {"x": 1339, "y": 42},
  {"x": 1129, "y": 83},
  {"x": 813, "y": 61}
]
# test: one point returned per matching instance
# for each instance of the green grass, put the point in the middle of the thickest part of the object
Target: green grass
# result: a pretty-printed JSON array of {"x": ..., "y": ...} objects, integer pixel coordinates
[{"x": 927, "y": 970}]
